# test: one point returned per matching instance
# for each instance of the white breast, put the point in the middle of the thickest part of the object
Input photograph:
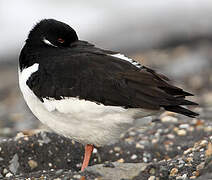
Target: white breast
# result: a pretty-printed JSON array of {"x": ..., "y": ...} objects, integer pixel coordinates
[{"x": 81, "y": 120}]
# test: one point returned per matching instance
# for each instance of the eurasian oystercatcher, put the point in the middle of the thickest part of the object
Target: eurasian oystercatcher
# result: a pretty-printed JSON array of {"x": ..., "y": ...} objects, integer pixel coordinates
[{"x": 86, "y": 93}]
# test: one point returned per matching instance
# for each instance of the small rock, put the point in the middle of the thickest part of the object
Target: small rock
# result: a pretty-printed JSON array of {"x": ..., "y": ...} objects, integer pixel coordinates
[
  {"x": 77, "y": 176},
  {"x": 171, "y": 136},
  {"x": 154, "y": 141},
  {"x": 184, "y": 126},
  {"x": 193, "y": 177},
  {"x": 181, "y": 132},
  {"x": 152, "y": 171},
  {"x": 33, "y": 164},
  {"x": 120, "y": 160},
  {"x": 45, "y": 139},
  {"x": 138, "y": 145},
  {"x": 95, "y": 150},
  {"x": 208, "y": 152},
  {"x": 108, "y": 165},
  {"x": 14, "y": 164},
  {"x": 18, "y": 136},
  {"x": 208, "y": 129},
  {"x": 189, "y": 159},
  {"x": 117, "y": 149},
  {"x": 203, "y": 143},
  {"x": 200, "y": 166},
  {"x": 5, "y": 171},
  {"x": 145, "y": 159},
  {"x": 189, "y": 150},
  {"x": 9, "y": 174},
  {"x": 59, "y": 172},
  {"x": 151, "y": 178},
  {"x": 169, "y": 119},
  {"x": 134, "y": 156},
  {"x": 173, "y": 172}
]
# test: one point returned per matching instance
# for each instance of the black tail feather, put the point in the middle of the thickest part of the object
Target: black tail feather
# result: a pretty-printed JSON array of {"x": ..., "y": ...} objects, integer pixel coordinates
[{"x": 181, "y": 110}]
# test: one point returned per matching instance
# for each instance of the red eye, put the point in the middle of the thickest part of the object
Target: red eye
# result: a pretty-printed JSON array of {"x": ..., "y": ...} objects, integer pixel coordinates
[{"x": 60, "y": 40}]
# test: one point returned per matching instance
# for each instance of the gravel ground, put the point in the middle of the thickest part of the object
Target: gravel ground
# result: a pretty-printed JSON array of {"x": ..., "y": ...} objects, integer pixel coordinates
[
  {"x": 173, "y": 147},
  {"x": 170, "y": 147}
]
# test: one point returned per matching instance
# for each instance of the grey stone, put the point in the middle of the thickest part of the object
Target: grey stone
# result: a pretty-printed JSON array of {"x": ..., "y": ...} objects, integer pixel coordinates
[
  {"x": 14, "y": 164},
  {"x": 121, "y": 170}
]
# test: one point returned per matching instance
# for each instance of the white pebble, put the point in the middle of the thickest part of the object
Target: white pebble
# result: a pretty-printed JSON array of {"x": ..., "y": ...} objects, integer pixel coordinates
[
  {"x": 169, "y": 119},
  {"x": 151, "y": 178},
  {"x": 145, "y": 159},
  {"x": 134, "y": 156},
  {"x": 95, "y": 150},
  {"x": 203, "y": 143},
  {"x": 181, "y": 132},
  {"x": 9, "y": 174},
  {"x": 5, "y": 171},
  {"x": 77, "y": 176},
  {"x": 184, "y": 126},
  {"x": 171, "y": 136}
]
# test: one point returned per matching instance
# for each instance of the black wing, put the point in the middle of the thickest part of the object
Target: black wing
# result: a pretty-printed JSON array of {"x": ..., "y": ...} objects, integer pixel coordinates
[{"x": 91, "y": 74}]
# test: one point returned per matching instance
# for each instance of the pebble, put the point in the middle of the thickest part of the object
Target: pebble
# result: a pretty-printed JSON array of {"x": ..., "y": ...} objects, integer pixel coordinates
[
  {"x": 200, "y": 166},
  {"x": 151, "y": 178},
  {"x": 33, "y": 164},
  {"x": 18, "y": 136},
  {"x": 181, "y": 132},
  {"x": 77, "y": 176},
  {"x": 154, "y": 141},
  {"x": 117, "y": 149},
  {"x": 14, "y": 164},
  {"x": 145, "y": 159},
  {"x": 191, "y": 129},
  {"x": 138, "y": 145},
  {"x": 173, "y": 172},
  {"x": 184, "y": 126},
  {"x": 5, "y": 171},
  {"x": 203, "y": 143},
  {"x": 152, "y": 171},
  {"x": 208, "y": 129},
  {"x": 134, "y": 156},
  {"x": 189, "y": 159},
  {"x": 108, "y": 164},
  {"x": 9, "y": 174},
  {"x": 208, "y": 152},
  {"x": 132, "y": 133},
  {"x": 58, "y": 172},
  {"x": 171, "y": 136},
  {"x": 189, "y": 150},
  {"x": 169, "y": 119},
  {"x": 120, "y": 160},
  {"x": 95, "y": 150}
]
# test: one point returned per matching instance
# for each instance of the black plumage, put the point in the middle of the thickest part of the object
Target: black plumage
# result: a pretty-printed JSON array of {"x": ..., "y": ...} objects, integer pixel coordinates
[{"x": 81, "y": 70}]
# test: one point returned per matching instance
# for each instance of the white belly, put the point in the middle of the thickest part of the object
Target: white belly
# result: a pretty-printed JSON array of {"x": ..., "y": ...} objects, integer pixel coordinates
[{"x": 83, "y": 121}]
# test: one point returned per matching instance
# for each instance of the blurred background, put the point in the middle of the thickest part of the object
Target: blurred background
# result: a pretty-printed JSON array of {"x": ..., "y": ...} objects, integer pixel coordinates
[{"x": 172, "y": 36}]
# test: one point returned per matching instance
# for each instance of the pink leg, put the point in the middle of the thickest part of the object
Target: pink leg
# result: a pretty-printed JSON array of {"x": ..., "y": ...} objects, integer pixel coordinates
[{"x": 88, "y": 152}]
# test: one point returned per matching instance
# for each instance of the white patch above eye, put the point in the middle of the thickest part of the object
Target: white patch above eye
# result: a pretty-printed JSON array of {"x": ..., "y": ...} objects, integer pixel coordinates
[
  {"x": 46, "y": 41},
  {"x": 123, "y": 57}
]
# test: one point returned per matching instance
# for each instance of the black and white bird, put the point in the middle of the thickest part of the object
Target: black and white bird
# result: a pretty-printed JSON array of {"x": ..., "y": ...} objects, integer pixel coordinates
[{"x": 86, "y": 93}]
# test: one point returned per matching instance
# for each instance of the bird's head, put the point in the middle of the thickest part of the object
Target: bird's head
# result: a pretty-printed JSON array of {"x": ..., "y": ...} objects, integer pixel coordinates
[{"x": 51, "y": 33}]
